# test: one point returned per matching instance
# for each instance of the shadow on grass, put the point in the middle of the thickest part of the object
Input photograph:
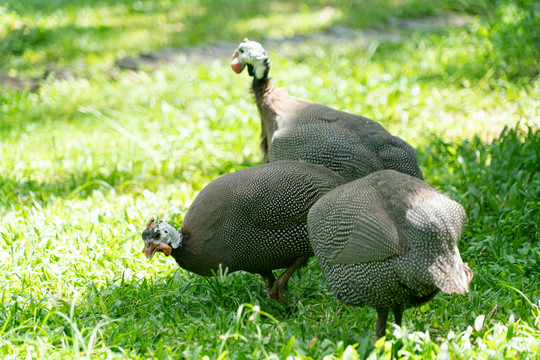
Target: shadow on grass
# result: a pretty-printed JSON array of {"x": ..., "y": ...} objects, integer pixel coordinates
[
  {"x": 139, "y": 314},
  {"x": 48, "y": 7},
  {"x": 67, "y": 186},
  {"x": 183, "y": 311},
  {"x": 98, "y": 27},
  {"x": 75, "y": 184},
  {"x": 176, "y": 308},
  {"x": 186, "y": 23},
  {"x": 171, "y": 309}
]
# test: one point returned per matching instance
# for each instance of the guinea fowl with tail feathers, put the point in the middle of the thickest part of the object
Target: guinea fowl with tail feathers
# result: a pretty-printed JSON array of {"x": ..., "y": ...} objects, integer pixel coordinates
[
  {"x": 388, "y": 240},
  {"x": 297, "y": 129},
  {"x": 252, "y": 220}
]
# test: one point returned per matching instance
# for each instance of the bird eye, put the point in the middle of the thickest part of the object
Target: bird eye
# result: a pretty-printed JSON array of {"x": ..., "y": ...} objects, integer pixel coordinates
[
  {"x": 166, "y": 231},
  {"x": 241, "y": 51}
]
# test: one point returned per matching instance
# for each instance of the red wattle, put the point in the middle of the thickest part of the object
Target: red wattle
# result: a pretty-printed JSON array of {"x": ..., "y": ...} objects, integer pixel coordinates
[
  {"x": 237, "y": 66},
  {"x": 165, "y": 248}
]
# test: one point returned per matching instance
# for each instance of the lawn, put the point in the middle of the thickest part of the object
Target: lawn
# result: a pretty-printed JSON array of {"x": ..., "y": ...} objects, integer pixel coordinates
[{"x": 95, "y": 150}]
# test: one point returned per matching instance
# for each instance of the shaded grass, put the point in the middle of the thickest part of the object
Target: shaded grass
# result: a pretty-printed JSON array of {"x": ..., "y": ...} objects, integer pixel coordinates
[
  {"x": 37, "y": 34},
  {"x": 54, "y": 34},
  {"x": 499, "y": 183}
]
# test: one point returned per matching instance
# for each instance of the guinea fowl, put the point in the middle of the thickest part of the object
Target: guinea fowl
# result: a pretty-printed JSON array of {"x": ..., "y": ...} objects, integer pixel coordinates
[
  {"x": 297, "y": 129},
  {"x": 389, "y": 241},
  {"x": 253, "y": 220}
]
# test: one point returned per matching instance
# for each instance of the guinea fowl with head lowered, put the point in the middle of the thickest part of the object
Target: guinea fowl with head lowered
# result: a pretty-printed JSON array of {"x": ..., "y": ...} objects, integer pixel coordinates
[
  {"x": 389, "y": 241},
  {"x": 252, "y": 220},
  {"x": 297, "y": 129}
]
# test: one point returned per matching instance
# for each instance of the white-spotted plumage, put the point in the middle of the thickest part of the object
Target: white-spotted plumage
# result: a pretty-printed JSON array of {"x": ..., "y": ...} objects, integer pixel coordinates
[
  {"x": 297, "y": 129},
  {"x": 253, "y": 220},
  {"x": 389, "y": 241}
]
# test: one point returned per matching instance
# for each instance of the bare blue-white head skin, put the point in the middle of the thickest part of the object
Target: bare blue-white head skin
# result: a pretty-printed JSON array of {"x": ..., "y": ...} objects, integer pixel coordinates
[
  {"x": 160, "y": 237},
  {"x": 252, "y": 55}
]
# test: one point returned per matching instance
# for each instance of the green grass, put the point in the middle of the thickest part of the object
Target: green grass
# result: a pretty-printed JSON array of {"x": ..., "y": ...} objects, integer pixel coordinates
[{"x": 85, "y": 162}]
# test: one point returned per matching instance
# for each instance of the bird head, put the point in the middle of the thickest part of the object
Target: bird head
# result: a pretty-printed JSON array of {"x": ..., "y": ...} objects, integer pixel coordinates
[
  {"x": 160, "y": 237},
  {"x": 252, "y": 55}
]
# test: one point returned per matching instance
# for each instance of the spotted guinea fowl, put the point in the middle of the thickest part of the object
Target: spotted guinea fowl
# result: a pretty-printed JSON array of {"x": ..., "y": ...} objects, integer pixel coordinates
[
  {"x": 297, "y": 129},
  {"x": 253, "y": 220},
  {"x": 389, "y": 241}
]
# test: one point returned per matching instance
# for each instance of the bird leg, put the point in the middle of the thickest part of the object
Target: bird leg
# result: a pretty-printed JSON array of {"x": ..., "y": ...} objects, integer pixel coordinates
[
  {"x": 382, "y": 318},
  {"x": 398, "y": 314},
  {"x": 282, "y": 280},
  {"x": 269, "y": 280}
]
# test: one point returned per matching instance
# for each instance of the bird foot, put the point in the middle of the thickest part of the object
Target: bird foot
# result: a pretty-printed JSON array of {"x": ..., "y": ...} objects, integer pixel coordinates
[{"x": 277, "y": 291}]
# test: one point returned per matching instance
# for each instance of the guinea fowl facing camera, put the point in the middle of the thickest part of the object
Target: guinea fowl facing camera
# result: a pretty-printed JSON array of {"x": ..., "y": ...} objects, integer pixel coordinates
[
  {"x": 253, "y": 220},
  {"x": 296, "y": 129},
  {"x": 389, "y": 241}
]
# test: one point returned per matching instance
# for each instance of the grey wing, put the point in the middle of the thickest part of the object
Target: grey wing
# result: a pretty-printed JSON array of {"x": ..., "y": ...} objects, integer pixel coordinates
[
  {"x": 374, "y": 148},
  {"x": 361, "y": 230},
  {"x": 330, "y": 145}
]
